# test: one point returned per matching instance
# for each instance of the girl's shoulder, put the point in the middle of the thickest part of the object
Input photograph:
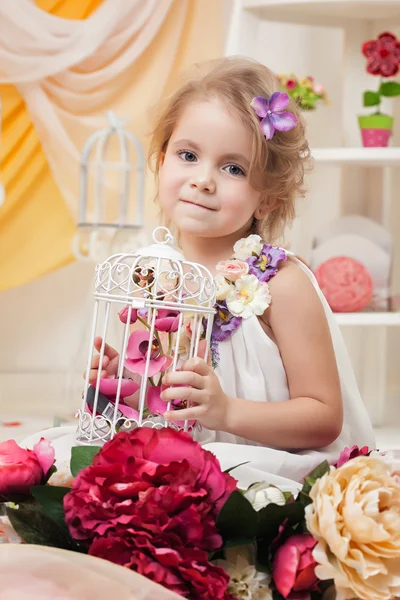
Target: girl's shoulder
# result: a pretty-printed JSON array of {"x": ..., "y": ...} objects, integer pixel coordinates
[{"x": 292, "y": 292}]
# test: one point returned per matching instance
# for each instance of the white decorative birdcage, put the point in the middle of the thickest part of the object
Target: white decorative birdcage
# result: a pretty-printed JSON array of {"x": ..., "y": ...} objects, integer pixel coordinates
[
  {"x": 110, "y": 209},
  {"x": 165, "y": 306}
]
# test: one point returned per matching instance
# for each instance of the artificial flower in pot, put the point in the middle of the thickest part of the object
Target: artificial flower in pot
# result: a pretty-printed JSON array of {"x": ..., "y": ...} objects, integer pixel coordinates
[
  {"x": 304, "y": 90},
  {"x": 383, "y": 61}
]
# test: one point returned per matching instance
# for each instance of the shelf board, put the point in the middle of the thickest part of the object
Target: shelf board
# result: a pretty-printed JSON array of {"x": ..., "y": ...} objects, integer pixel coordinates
[
  {"x": 323, "y": 12},
  {"x": 368, "y": 318},
  {"x": 367, "y": 157}
]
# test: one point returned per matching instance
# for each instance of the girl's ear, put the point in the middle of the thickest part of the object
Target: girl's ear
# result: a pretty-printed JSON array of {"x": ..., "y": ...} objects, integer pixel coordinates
[{"x": 266, "y": 206}]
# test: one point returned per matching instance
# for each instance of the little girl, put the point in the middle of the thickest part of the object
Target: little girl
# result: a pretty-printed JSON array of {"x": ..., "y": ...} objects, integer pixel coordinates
[{"x": 230, "y": 154}]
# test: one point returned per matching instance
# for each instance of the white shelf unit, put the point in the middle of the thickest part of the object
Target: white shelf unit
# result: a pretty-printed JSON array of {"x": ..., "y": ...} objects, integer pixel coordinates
[
  {"x": 368, "y": 319},
  {"x": 281, "y": 33},
  {"x": 361, "y": 157},
  {"x": 331, "y": 13}
]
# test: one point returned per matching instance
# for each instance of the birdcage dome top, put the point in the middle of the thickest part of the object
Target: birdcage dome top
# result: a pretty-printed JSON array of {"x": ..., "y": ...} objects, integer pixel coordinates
[{"x": 155, "y": 274}]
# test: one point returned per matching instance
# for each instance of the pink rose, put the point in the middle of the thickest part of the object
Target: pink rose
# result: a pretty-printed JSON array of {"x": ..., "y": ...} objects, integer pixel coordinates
[
  {"x": 21, "y": 469},
  {"x": 294, "y": 566},
  {"x": 232, "y": 269},
  {"x": 349, "y": 453}
]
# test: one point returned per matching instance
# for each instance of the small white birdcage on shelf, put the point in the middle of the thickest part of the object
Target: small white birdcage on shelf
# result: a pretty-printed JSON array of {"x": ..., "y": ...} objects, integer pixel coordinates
[
  {"x": 110, "y": 211},
  {"x": 166, "y": 308}
]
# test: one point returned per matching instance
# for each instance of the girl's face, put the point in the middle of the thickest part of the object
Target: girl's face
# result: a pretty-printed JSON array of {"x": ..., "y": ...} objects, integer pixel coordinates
[{"x": 204, "y": 186}]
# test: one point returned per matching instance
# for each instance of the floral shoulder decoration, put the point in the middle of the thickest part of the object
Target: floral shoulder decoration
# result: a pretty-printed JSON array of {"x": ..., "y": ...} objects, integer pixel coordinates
[{"x": 242, "y": 288}]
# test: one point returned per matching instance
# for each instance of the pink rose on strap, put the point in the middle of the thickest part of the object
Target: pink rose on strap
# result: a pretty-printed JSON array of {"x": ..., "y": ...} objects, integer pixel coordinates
[
  {"x": 232, "y": 269},
  {"x": 294, "y": 567},
  {"x": 22, "y": 469}
]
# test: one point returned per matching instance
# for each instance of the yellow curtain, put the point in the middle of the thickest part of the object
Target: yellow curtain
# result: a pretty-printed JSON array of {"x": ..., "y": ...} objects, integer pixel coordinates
[{"x": 36, "y": 227}]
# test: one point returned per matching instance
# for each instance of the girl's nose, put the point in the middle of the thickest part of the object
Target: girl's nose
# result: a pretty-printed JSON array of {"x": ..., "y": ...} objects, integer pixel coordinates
[{"x": 203, "y": 184}]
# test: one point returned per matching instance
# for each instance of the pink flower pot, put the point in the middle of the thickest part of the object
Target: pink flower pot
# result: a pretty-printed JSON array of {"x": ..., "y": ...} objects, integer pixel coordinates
[{"x": 375, "y": 138}]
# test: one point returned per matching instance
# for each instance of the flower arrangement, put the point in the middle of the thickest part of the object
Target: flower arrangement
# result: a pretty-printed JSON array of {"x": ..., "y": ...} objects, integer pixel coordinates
[
  {"x": 158, "y": 503},
  {"x": 305, "y": 90},
  {"x": 383, "y": 61},
  {"x": 242, "y": 286}
]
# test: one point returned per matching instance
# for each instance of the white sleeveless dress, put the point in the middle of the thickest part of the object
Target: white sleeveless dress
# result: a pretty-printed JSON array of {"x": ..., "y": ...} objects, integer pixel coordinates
[{"x": 250, "y": 367}]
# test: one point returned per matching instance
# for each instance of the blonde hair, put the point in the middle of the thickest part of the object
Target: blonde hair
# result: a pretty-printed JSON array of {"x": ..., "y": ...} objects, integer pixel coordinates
[{"x": 277, "y": 166}]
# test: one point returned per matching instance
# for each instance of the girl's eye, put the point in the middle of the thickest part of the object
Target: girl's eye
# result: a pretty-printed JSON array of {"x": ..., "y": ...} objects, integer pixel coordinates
[
  {"x": 235, "y": 170},
  {"x": 187, "y": 156}
]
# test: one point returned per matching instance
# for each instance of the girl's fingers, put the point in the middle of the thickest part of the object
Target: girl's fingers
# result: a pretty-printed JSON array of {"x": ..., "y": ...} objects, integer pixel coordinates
[
  {"x": 187, "y": 378},
  {"x": 93, "y": 375},
  {"x": 186, "y": 414},
  {"x": 96, "y": 361},
  {"x": 197, "y": 365},
  {"x": 184, "y": 393},
  {"x": 108, "y": 350}
]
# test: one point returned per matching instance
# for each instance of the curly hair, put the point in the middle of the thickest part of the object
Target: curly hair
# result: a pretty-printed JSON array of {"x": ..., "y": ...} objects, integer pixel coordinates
[{"x": 277, "y": 166}]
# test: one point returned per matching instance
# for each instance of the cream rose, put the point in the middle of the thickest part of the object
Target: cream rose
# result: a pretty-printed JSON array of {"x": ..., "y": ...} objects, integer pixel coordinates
[
  {"x": 248, "y": 246},
  {"x": 222, "y": 287},
  {"x": 355, "y": 518},
  {"x": 232, "y": 269},
  {"x": 8, "y": 535}
]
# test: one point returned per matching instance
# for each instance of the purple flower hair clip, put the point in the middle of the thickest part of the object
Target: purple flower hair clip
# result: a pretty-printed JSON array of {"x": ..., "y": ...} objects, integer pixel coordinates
[{"x": 271, "y": 115}]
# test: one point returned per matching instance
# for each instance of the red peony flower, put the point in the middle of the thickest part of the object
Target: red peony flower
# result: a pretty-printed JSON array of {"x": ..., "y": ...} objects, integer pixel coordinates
[
  {"x": 185, "y": 571},
  {"x": 383, "y": 55},
  {"x": 155, "y": 481}
]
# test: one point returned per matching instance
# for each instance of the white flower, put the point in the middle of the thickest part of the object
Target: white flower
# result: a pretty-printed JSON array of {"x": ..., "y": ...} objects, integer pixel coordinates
[
  {"x": 248, "y": 246},
  {"x": 8, "y": 535},
  {"x": 246, "y": 583},
  {"x": 248, "y": 297},
  {"x": 262, "y": 494},
  {"x": 223, "y": 287}
]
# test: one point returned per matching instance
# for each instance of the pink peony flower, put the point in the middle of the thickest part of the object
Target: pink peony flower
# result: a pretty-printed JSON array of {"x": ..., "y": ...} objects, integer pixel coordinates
[
  {"x": 167, "y": 320},
  {"x": 160, "y": 482},
  {"x": 185, "y": 571},
  {"x": 21, "y": 469},
  {"x": 294, "y": 566},
  {"x": 349, "y": 453},
  {"x": 123, "y": 315},
  {"x": 232, "y": 269},
  {"x": 137, "y": 351}
]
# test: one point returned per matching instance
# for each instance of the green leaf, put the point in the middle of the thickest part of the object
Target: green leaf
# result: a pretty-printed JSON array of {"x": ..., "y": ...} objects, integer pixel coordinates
[
  {"x": 82, "y": 457},
  {"x": 35, "y": 527},
  {"x": 371, "y": 98},
  {"x": 272, "y": 516},
  {"x": 390, "y": 89},
  {"x": 237, "y": 466},
  {"x": 51, "y": 499},
  {"x": 303, "y": 497},
  {"x": 237, "y": 518}
]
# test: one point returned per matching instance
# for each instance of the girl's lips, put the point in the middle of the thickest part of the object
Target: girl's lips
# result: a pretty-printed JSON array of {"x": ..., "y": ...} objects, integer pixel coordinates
[{"x": 198, "y": 205}]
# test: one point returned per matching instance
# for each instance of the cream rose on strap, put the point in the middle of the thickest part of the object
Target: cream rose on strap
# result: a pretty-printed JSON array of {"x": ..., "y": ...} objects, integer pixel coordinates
[
  {"x": 355, "y": 517},
  {"x": 247, "y": 247},
  {"x": 248, "y": 297}
]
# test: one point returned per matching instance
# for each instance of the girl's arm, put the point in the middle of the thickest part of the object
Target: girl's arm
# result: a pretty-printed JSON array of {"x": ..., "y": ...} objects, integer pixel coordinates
[{"x": 313, "y": 417}]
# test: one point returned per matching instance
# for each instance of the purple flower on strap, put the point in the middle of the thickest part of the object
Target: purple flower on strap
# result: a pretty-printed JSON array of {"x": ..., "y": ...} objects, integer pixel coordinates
[
  {"x": 224, "y": 322},
  {"x": 271, "y": 115},
  {"x": 265, "y": 265}
]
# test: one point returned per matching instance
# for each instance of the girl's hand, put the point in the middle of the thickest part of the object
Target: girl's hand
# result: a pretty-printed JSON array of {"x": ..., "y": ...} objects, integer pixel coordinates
[
  {"x": 200, "y": 388},
  {"x": 109, "y": 365}
]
